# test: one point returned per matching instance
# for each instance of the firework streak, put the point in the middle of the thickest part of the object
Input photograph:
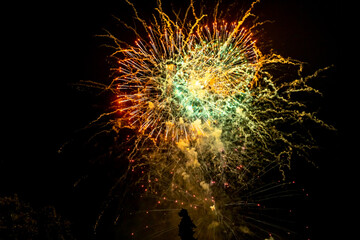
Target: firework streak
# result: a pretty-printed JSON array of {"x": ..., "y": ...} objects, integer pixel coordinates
[{"x": 211, "y": 116}]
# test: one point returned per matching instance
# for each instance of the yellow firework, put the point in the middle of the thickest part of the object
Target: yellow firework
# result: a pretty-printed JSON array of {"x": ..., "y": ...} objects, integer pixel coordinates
[{"x": 209, "y": 115}]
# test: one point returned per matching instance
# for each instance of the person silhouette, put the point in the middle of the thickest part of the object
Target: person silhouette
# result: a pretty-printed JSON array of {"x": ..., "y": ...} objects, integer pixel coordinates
[{"x": 186, "y": 226}]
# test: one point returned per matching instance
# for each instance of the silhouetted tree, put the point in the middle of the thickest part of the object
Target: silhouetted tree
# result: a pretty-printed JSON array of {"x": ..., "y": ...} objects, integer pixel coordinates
[
  {"x": 18, "y": 220},
  {"x": 186, "y": 226}
]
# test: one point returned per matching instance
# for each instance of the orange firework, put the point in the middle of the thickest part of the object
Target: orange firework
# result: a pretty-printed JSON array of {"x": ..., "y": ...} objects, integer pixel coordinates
[{"x": 209, "y": 116}]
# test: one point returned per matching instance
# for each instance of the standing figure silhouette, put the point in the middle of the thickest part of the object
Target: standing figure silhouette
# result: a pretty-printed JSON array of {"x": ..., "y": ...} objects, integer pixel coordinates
[{"x": 186, "y": 226}]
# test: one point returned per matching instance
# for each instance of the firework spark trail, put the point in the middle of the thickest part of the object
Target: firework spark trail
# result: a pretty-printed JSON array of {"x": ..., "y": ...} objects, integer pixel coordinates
[{"x": 210, "y": 115}]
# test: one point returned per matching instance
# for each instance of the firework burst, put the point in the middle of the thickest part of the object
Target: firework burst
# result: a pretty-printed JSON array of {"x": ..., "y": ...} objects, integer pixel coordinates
[
  {"x": 180, "y": 80},
  {"x": 211, "y": 116}
]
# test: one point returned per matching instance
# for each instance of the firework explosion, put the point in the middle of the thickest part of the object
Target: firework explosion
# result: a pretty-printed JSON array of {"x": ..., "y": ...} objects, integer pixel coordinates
[{"x": 211, "y": 115}]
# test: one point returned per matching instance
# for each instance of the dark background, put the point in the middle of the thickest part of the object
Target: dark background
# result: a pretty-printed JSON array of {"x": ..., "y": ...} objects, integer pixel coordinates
[{"x": 52, "y": 46}]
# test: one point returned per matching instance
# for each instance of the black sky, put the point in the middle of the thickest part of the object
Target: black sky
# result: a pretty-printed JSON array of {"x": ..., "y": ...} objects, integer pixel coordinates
[{"x": 53, "y": 47}]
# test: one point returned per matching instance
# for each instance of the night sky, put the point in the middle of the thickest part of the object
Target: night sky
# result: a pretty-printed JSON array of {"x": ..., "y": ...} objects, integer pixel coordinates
[{"x": 55, "y": 47}]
